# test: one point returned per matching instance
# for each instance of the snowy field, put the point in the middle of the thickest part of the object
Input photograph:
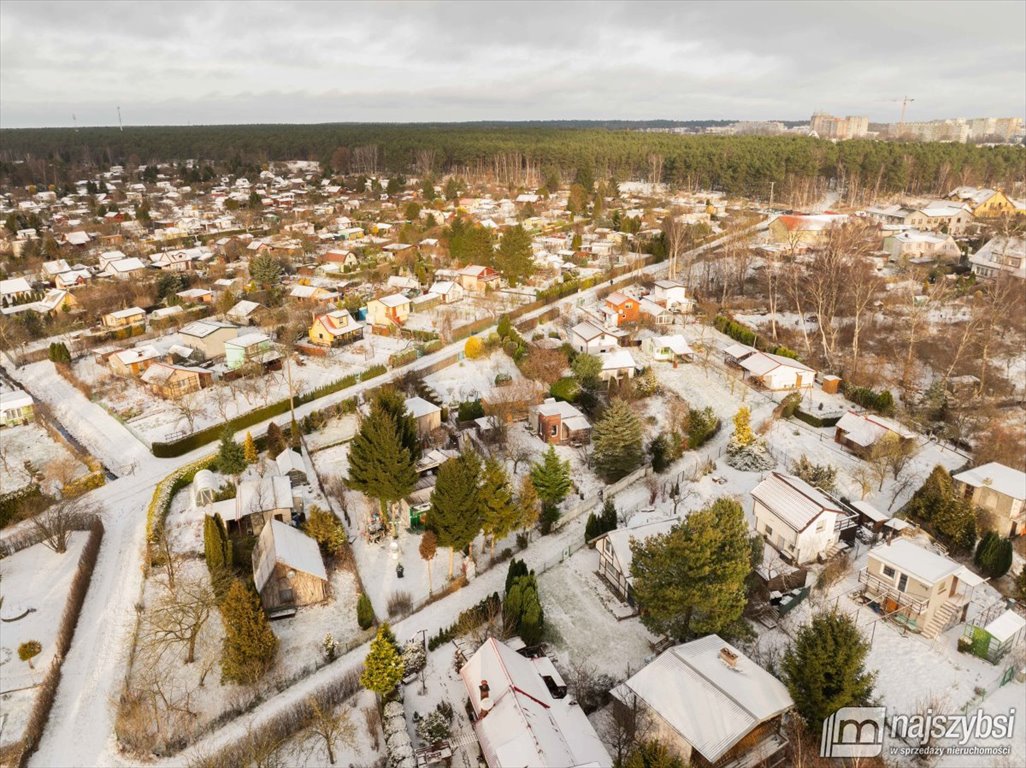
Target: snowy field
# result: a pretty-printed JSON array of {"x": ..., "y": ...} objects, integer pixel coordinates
[
  {"x": 31, "y": 444},
  {"x": 35, "y": 580}
]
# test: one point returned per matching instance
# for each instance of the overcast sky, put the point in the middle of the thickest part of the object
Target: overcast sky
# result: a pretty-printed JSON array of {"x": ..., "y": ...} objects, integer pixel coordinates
[{"x": 277, "y": 62}]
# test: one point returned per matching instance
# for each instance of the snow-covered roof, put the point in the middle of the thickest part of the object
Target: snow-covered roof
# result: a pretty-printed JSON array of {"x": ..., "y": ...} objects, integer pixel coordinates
[
  {"x": 675, "y": 343},
  {"x": 394, "y": 300},
  {"x": 617, "y": 359},
  {"x": 587, "y": 331},
  {"x": 739, "y": 351},
  {"x": 338, "y": 322},
  {"x": 620, "y": 540},
  {"x": 14, "y": 399},
  {"x": 200, "y": 329},
  {"x": 418, "y": 406},
  {"x": 520, "y": 723},
  {"x": 710, "y": 704},
  {"x": 289, "y": 461},
  {"x": 926, "y": 566},
  {"x": 553, "y": 407},
  {"x": 244, "y": 308},
  {"x": 14, "y": 285},
  {"x": 281, "y": 543},
  {"x": 248, "y": 340},
  {"x": 121, "y": 314},
  {"x": 865, "y": 429},
  {"x": 999, "y": 478},
  {"x": 761, "y": 363},
  {"x": 137, "y": 354},
  {"x": 792, "y": 500},
  {"x": 871, "y": 512},
  {"x": 131, "y": 264},
  {"x": 1006, "y": 626}
]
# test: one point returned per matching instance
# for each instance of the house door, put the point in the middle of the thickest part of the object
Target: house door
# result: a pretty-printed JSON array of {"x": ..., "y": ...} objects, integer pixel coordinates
[{"x": 902, "y": 582}]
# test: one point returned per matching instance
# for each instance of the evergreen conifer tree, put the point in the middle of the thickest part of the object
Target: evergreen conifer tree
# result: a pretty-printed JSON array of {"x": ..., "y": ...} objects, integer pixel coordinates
[
  {"x": 825, "y": 668},
  {"x": 379, "y": 465},
  {"x": 383, "y": 667},
  {"x": 249, "y": 449},
  {"x": 691, "y": 580},
  {"x": 618, "y": 442},
  {"x": 499, "y": 512},
  {"x": 249, "y": 645},
  {"x": 455, "y": 514}
]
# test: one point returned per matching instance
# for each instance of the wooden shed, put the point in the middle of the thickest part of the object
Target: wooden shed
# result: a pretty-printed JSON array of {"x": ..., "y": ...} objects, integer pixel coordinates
[{"x": 288, "y": 570}]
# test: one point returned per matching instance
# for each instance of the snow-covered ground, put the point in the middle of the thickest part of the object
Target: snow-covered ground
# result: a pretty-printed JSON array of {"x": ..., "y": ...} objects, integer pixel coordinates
[
  {"x": 31, "y": 444},
  {"x": 471, "y": 379},
  {"x": 34, "y": 584},
  {"x": 153, "y": 418}
]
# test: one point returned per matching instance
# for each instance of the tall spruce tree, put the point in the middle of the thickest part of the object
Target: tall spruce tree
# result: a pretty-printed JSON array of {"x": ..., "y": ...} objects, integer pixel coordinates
[
  {"x": 383, "y": 668},
  {"x": 231, "y": 458},
  {"x": 618, "y": 442},
  {"x": 393, "y": 403},
  {"x": 948, "y": 515},
  {"x": 691, "y": 581},
  {"x": 825, "y": 668},
  {"x": 455, "y": 514},
  {"x": 514, "y": 257},
  {"x": 379, "y": 465},
  {"x": 499, "y": 511},
  {"x": 249, "y": 645},
  {"x": 551, "y": 477},
  {"x": 249, "y": 449}
]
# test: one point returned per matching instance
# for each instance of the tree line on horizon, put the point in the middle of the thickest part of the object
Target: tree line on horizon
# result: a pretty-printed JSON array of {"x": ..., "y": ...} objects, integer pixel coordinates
[{"x": 733, "y": 164}]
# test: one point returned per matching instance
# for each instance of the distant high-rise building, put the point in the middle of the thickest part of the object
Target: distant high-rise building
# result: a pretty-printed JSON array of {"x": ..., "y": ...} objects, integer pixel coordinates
[{"x": 830, "y": 127}]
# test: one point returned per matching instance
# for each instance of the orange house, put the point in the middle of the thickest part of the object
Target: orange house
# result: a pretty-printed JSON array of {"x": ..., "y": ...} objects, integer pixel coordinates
[{"x": 626, "y": 308}]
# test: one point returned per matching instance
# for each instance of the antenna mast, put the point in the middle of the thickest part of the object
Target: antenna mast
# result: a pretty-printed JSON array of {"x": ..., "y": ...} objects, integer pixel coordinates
[{"x": 121, "y": 126}]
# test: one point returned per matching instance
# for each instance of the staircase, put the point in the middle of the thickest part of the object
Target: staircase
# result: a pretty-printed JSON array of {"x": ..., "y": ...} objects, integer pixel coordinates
[
  {"x": 837, "y": 548},
  {"x": 942, "y": 618}
]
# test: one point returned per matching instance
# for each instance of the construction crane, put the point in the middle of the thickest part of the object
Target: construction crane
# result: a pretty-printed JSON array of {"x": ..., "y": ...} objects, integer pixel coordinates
[{"x": 904, "y": 105}]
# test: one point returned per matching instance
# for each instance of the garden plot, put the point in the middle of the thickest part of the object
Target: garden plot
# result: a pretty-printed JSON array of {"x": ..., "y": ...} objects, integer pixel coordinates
[
  {"x": 34, "y": 585},
  {"x": 789, "y": 440},
  {"x": 339, "y": 429},
  {"x": 31, "y": 444},
  {"x": 370, "y": 351},
  {"x": 580, "y": 626},
  {"x": 152, "y": 418},
  {"x": 472, "y": 379},
  {"x": 912, "y": 673}
]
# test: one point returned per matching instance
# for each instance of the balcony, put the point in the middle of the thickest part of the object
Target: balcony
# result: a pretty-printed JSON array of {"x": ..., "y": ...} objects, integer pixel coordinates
[{"x": 878, "y": 588}]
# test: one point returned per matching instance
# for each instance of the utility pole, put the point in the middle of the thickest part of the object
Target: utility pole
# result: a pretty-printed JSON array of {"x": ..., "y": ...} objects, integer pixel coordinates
[
  {"x": 121, "y": 126},
  {"x": 772, "y": 184}
]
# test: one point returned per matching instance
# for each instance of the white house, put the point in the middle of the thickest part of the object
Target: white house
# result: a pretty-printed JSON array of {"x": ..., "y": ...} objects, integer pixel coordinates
[
  {"x": 449, "y": 290},
  {"x": 1000, "y": 492},
  {"x": 667, "y": 348},
  {"x": 616, "y": 556},
  {"x": 618, "y": 364},
  {"x": 777, "y": 372},
  {"x": 590, "y": 338},
  {"x": 796, "y": 519},
  {"x": 917, "y": 247},
  {"x": 1001, "y": 254},
  {"x": 672, "y": 295},
  {"x": 523, "y": 715}
]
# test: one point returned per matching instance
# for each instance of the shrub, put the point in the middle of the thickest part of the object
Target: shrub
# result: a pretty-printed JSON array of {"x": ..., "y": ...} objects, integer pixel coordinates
[
  {"x": 470, "y": 410},
  {"x": 364, "y": 612},
  {"x": 567, "y": 388},
  {"x": 469, "y": 619},
  {"x": 702, "y": 425},
  {"x": 29, "y": 650},
  {"x": 994, "y": 555},
  {"x": 882, "y": 402},
  {"x": 399, "y": 603},
  {"x": 474, "y": 348}
]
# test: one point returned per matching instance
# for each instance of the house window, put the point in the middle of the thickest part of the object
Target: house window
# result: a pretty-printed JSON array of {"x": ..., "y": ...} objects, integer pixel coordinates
[
  {"x": 820, "y": 526},
  {"x": 554, "y": 430},
  {"x": 286, "y": 595},
  {"x": 888, "y": 571},
  {"x": 769, "y": 530}
]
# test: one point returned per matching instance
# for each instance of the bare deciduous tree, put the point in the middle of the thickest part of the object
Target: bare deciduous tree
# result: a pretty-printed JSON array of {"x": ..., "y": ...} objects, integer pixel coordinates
[
  {"x": 57, "y": 523},
  {"x": 331, "y": 726}
]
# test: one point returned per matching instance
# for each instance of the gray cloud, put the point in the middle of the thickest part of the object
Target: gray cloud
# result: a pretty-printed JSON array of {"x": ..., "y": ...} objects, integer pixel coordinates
[{"x": 185, "y": 62}]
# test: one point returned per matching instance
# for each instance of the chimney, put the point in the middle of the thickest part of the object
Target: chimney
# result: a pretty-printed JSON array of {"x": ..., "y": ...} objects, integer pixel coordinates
[
  {"x": 728, "y": 657},
  {"x": 485, "y": 705}
]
